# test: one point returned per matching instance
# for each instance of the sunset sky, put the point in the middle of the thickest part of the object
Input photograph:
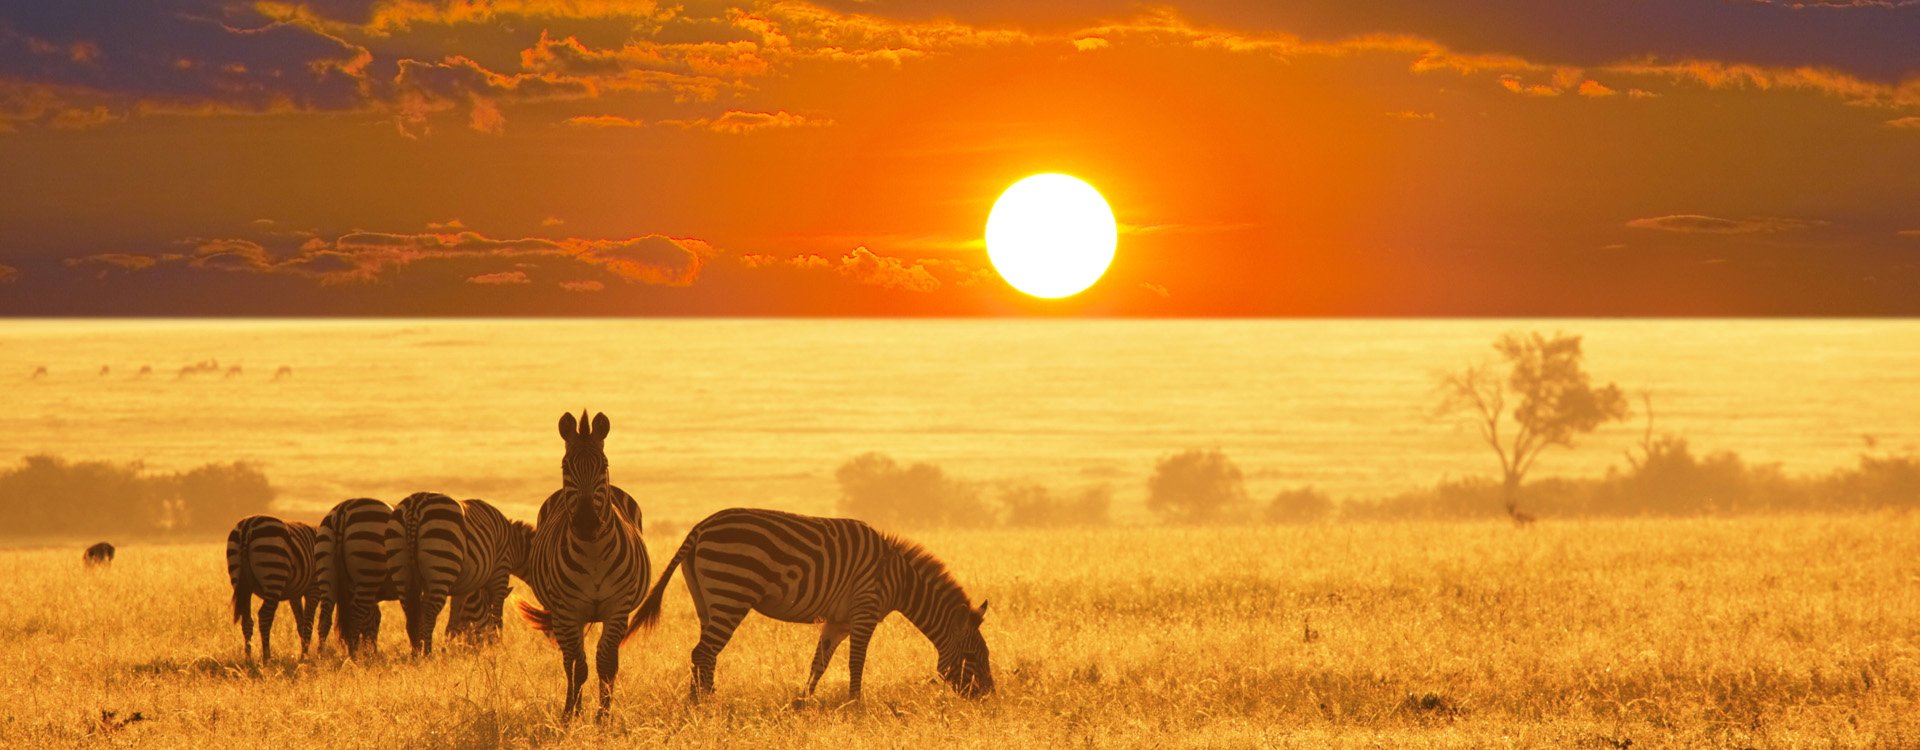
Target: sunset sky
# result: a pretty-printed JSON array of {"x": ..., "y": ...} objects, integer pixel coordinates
[{"x": 568, "y": 157}]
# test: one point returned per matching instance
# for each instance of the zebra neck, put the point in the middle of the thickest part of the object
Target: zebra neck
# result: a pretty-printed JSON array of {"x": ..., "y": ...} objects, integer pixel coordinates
[{"x": 930, "y": 603}]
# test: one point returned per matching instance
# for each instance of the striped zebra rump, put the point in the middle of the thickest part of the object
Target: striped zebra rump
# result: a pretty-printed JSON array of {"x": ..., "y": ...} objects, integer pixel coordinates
[
  {"x": 355, "y": 548},
  {"x": 494, "y": 546},
  {"x": 273, "y": 560},
  {"x": 430, "y": 561}
]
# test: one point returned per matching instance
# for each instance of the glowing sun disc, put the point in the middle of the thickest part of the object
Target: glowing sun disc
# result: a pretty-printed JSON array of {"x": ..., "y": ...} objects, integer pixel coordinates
[{"x": 1051, "y": 235}]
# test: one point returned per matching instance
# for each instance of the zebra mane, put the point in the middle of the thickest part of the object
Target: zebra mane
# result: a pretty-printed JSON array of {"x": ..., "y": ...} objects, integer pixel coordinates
[{"x": 928, "y": 567}]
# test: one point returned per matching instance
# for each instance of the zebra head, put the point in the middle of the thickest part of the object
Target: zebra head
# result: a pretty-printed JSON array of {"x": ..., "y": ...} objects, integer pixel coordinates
[
  {"x": 583, "y": 470},
  {"x": 963, "y": 655}
]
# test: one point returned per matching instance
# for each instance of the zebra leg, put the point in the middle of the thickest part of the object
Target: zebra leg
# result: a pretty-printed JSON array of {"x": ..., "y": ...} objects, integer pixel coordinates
[
  {"x": 718, "y": 622},
  {"x": 430, "y": 607},
  {"x": 267, "y": 609},
  {"x": 363, "y": 620},
  {"x": 245, "y": 611},
  {"x": 863, "y": 624},
  {"x": 574, "y": 658},
  {"x": 607, "y": 660},
  {"x": 303, "y": 607},
  {"x": 831, "y": 635},
  {"x": 326, "y": 623},
  {"x": 494, "y": 616}
]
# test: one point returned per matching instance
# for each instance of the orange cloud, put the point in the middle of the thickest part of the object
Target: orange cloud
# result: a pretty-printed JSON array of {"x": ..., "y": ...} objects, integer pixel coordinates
[
  {"x": 1411, "y": 115},
  {"x": 736, "y": 122},
  {"x": 366, "y": 256},
  {"x": 888, "y": 273},
  {"x": 1904, "y": 122},
  {"x": 1513, "y": 84},
  {"x": 1155, "y": 289},
  {"x": 587, "y": 285},
  {"x": 108, "y": 263},
  {"x": 1594, "y": 88},
  {"x": 604, "y": 121},
  {"x": 1698, "y": 224},
  {"x": 503, "y": 277}
]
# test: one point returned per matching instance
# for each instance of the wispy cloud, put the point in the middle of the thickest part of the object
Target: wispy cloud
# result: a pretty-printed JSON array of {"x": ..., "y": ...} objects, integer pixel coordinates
[
  {"x": 736, "y": 122},
  {"x": 502, "y": 277},
  {"x": 1698, "y": 224}
]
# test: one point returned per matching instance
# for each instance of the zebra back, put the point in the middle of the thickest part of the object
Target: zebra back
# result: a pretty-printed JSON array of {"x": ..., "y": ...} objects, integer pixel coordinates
[
  {"x": 353, "y": 551},
  {"x": 434, "y": 544},
  {"x": 271, "y": 558}
]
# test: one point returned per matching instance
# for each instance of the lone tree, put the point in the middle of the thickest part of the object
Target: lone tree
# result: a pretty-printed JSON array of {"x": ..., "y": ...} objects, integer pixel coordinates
[{"x": 1552, "y": 400}]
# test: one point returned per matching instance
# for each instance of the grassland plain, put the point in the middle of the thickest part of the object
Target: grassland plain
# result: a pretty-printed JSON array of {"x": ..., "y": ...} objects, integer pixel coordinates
[{"x": 1755, "y": 632}]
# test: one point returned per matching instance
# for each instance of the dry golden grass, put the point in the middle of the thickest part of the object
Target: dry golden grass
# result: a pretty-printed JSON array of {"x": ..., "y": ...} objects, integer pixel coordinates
[{"x": 1777, "y": 632}]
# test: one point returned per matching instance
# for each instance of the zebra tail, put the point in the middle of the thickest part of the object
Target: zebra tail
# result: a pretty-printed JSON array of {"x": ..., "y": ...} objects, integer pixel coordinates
[
  {"x": 242, "y": 597},
  {"x": 540, "y": 619},
  {"x": 649, "y": 612}
]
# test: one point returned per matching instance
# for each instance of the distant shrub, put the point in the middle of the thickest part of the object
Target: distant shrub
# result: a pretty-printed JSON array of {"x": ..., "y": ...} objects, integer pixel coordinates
[
  {"x": 50, "y": 495},
  {"x": 875, "y": 488},
  {"x": 1300, "y": 505},
  {"x": 1034, "y": 505},
  {"x": 1198, "y": 486}
]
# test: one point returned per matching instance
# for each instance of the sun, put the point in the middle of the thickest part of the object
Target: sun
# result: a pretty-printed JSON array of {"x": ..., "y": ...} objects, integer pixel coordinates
[{"x": 1051, "y": 235}]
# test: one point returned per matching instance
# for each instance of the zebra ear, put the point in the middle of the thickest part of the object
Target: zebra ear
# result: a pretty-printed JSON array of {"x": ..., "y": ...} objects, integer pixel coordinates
[
  {"x": 982, "y": 611},
  {"x": 567, "y": 426},
  {"x": 601, "y": 426}
]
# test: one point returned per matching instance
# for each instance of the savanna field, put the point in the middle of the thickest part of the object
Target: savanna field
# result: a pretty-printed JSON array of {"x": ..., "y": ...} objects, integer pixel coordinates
[{"x": 1797, "y": 631}]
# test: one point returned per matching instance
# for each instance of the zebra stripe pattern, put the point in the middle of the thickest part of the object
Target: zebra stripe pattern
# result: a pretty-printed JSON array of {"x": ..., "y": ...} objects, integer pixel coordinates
[
  {"x": 272, "y": 559},
  {"x": 835, "y": 571},
  {"x": 496, "y": 548},
  {"x": 354, "y": 550},
  {"x": 430, "y": 562},
  {"x": 588, "y": 563}
]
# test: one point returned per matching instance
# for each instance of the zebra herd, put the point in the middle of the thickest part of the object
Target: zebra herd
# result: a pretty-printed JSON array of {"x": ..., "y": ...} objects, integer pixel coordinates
[{"x": 585, "y": 562}]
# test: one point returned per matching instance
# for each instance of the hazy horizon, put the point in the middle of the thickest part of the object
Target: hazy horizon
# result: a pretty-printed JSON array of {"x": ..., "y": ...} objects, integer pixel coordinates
[{"x": 713, "y": 413}]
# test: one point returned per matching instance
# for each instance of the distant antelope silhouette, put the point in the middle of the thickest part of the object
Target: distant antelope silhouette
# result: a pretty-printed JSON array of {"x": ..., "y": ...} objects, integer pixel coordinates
[
  {"x": 39, "y": 372},
  {"x": 1520, "y": 517},
  {"x": 283, "y": 373},
  {"x": 233, "y": 372},
  {"x": 104, "y": 370},
  {"x": 145, "y": 370}
]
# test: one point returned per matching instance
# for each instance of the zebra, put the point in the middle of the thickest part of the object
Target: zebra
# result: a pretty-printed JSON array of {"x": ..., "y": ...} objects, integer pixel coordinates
[
  {"x": 355, "y": 550},
  {"x": 588, "y": 563},
  {"x": 272, "y": 559},
  {"x": 496, "y": 548},
  {"x": 839, "y": 572},
  {"x": 98, "y": 554},
  {"x": 432, "y": 556}
]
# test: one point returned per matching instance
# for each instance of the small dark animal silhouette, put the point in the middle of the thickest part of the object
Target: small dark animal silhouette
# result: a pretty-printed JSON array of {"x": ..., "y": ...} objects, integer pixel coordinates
[
  {"x": 40, "y": 372},
  {"x": 233, "y": 372},
  {"x": 283, "y": 373},
  {"x": 104, "y": 370},
  {"x": 98, "y": 555},
  {"x": 145, "y": 370}
]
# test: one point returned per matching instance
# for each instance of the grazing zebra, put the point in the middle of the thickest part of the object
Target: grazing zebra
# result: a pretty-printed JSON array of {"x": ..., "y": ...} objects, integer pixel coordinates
[
  {"x": 835, "y": 571},
  {"x": 496, "y": 548},
  {"x": 272, "y": 559},
  {"x": 98, "y": 554},
  {"x": 432, "y": 555},
  {"x": 355, "y": 550},
  {"x": 587, "y": 563}
]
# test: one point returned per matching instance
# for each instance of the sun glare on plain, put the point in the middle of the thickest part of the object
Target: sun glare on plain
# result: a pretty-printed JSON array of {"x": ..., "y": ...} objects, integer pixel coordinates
[{"x": 1051, "y": 235}]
